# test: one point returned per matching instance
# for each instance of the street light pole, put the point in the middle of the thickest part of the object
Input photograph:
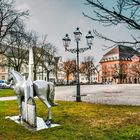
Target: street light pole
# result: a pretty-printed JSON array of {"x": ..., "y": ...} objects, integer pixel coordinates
[
  {"x": 78, "y": 97},
  {"x": 66, "y": 42}
]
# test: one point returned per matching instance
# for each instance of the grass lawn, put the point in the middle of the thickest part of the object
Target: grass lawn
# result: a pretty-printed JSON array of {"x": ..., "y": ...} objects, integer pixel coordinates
[
  {"x": 6, "y": 92},
  {"x": 79, "y": 121}
]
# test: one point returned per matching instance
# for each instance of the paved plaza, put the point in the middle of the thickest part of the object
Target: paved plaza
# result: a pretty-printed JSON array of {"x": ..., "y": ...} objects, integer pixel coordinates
[{"x": 119, "y": 94}]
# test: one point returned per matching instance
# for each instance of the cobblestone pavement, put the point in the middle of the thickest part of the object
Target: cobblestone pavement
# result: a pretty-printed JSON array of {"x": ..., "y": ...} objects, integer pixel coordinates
[{"x": 124, "y": 94}]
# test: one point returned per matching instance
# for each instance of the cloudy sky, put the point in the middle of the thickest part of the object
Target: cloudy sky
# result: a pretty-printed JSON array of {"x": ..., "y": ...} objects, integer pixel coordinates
[{"x": 58, "y": 17}]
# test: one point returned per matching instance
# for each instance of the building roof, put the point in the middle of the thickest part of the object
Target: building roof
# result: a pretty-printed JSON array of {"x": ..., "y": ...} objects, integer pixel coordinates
[{"x": 120, "y": 52}]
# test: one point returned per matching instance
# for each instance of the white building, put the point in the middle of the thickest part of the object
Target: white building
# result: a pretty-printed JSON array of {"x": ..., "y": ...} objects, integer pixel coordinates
[{"x": 93, "y": 78}]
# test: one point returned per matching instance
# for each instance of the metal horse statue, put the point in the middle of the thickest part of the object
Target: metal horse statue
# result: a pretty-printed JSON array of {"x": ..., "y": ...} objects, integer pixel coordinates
[{"x": 42, "y": 89}]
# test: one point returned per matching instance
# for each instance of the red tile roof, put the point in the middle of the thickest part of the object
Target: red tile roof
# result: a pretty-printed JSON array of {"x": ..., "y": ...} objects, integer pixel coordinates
[{"x": 123, "y": 52}]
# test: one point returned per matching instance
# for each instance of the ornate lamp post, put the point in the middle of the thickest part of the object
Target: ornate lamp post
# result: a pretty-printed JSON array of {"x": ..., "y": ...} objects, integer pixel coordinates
[{"x": 77, "y": 50}]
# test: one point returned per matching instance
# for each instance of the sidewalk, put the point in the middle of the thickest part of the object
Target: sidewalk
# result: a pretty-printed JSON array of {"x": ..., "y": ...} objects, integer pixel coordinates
[{"x": 8, "y": 98}]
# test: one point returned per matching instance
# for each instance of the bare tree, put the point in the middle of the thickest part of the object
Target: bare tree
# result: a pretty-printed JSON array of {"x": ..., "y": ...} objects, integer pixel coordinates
[
  {"x": 69, "y": 68},
  {"x": 9, "y": 19},
  {"x": 17, "y": 52},
  {"x": 88, "y": 67},
  {"x": 135, "y": 69},
  {"x": 124, "y": 12},
  {"x": 119, "y": 72},
  {"x": 14, "y": 40},
  {"x": 12, "y": 34},
  {"x": 56, "y": 67},
  {"x": 49, "y": 63},
  {"x": 44, "y": 54},
  {"x": 37, "y": 51}
]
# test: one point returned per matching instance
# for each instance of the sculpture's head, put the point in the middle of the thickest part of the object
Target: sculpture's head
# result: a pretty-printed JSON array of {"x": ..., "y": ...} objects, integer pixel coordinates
[
  {"x": 15, "y": 76},
  {"x": 10, "y": 77},
  {"x": 10, "y": 80}
]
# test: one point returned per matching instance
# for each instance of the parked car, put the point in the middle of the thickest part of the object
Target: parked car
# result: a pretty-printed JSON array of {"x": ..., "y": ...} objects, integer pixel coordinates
[{"x": 3, "y": 84}]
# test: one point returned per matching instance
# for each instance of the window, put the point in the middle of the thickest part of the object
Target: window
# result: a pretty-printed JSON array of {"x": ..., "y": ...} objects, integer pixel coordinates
[
  {"x": 113, "y": 65},
  {"x": 108, "y": 66},
  {"x": 104, "y": 67},
  {"x": 3, "y": 69},
  {"x": 129, "y": 65},
  {"x": 3, "y": 77}
]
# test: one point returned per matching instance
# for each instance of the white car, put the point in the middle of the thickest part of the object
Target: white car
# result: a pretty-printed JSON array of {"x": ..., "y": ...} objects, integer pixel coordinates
[{"x": 3, "y": 84}]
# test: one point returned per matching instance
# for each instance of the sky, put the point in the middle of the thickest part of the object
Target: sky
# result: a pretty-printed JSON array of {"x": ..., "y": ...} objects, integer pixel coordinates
[{"x": 55, "y": 18}]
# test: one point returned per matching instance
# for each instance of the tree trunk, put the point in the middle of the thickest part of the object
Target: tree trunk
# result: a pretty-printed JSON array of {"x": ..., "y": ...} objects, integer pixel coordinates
[
  {"x": 56, "y": 75},
  {"x": 35, "y": 75},
  {"x": 17, "y": 68},
  {"x": 67, "y": 78},
  {"x": 48, "y": 75}
]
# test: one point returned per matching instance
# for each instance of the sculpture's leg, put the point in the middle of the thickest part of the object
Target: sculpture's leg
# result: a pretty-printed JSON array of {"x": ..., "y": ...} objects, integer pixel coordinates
[
  {"x": 49, "y": 113},
  {"x": 49, "y": 118},
  {"x": 51, "y": 94},
  {"x": 20, "y": 107}
]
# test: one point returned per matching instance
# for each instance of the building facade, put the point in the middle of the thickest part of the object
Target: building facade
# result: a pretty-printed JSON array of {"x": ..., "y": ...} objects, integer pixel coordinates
[
  {"x": 41, "y": 74},
  {"x": 118, "y": 65}
]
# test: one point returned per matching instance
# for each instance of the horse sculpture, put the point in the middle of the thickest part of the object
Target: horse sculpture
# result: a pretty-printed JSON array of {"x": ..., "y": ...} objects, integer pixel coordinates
[{"x": 42, "y": 89}]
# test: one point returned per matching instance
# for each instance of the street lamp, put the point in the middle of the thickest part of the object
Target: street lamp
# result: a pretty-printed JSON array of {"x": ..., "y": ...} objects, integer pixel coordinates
[{"x": 66, "y": 43}]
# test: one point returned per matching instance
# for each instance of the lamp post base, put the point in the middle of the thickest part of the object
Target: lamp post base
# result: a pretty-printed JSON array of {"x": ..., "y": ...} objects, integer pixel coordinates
[{"x": 78, "y": 97}]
